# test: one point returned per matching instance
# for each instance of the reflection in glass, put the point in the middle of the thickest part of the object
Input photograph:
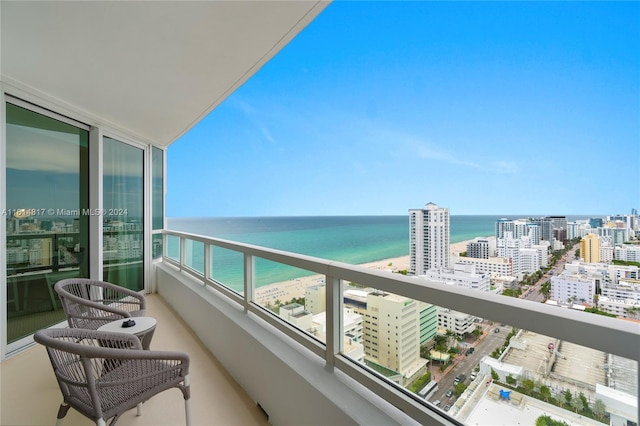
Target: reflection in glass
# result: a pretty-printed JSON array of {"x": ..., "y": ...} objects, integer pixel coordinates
[
  {"x": 123, "y": 231},
  {"x": 47, "y": 230},
  {"x": 157, "y": 188}
]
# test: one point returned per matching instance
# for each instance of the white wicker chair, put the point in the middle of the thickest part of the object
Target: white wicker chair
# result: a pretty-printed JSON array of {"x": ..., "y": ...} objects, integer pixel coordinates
[{"x": 103, "y": 374}]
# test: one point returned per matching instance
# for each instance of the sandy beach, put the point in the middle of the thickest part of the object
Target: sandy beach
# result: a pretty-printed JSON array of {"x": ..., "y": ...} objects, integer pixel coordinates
[{"x": 287, "y": 290}]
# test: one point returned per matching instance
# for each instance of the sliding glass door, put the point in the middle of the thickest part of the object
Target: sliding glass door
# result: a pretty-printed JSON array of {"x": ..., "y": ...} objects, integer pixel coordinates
[
  {"x": 47, "y": 194},
  {"x": 123, "y": 214}
]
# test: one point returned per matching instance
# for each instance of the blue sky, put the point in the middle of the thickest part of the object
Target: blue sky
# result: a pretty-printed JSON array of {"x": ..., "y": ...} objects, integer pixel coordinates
[{"x": 379, "y": 107}]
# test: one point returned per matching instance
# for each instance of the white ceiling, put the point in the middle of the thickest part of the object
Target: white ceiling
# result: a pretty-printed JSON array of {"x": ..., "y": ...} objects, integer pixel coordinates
[{"x": 150, "y": 69}]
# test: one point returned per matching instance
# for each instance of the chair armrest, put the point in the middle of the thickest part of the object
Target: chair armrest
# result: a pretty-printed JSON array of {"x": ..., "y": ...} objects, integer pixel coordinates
[{"x": 97, "y": 305}]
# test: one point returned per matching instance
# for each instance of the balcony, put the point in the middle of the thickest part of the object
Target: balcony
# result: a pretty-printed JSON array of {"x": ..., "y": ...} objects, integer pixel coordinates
[
  {"x": 30, "y": 394},
  {"x": 254, "y": 358},
  {"x": 251, "y": 360}
]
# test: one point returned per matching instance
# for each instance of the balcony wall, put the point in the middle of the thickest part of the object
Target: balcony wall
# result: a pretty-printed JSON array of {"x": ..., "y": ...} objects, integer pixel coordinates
[{"x": 292, "y": 384}]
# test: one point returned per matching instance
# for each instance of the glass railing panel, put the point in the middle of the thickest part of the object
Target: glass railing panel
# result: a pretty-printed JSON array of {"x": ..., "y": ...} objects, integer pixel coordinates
[
  {"x": 295, "y": 294},
  {"x": 483, "y": 372},
  {"x": 173, "y": 247},
  {"x": 227, "y": 268},
  {"x": 156, "y": 246},
  {"x": 194, "y": 255}
]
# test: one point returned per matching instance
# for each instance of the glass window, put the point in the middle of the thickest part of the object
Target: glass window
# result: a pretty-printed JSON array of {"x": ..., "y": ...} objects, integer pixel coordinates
[
  {"x": 123, "y": 215},
  {"x": 47, "y": 228},
  {"x": 157, "y": 199},
  {"x": 157, "y": 190}
]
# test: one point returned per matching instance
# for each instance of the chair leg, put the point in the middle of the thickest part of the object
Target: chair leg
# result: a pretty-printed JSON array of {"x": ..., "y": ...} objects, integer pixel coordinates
[
  {"x": 139, "y": 409},
  {"x": 187, "y": 406},
  {"x": 187, "y": 412},
  {"x": 101, "y": 422},
  {"x": 62, "y": 411}
]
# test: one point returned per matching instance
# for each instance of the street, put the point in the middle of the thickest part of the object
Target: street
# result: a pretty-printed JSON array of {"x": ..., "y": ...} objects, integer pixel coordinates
[
  {"x": 466, "y": 364},
  {"x": 489, "y": 341}
]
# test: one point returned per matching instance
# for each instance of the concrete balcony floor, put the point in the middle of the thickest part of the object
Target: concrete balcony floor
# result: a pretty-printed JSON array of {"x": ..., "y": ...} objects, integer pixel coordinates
[{"x": 30, "y": 394}]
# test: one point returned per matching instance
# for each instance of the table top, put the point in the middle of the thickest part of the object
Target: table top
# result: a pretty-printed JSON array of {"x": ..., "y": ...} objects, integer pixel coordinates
[{"x": 142, "y": 324}]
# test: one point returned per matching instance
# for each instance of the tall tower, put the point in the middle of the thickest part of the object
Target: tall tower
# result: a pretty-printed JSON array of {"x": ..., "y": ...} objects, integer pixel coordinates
[
  {"x": 590, "y": 248},
  {"x": 428, "y": 238}
]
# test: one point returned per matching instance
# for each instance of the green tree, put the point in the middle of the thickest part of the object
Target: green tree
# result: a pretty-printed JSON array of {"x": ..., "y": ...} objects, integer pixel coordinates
[
  {"x": 545, "y": 392},
  {"x": 576, "y": 404},
  {"x": 511, "y": 380},
  {"x": 528, "y": 385},
  {"x": 495, "y": 376},
  {"x": 548, "y": 421},
  {"x": 459, "y": 389},
  {"x": 567, "y": 396},
  {"x": 585, "y": 402},
  {"x": 599, "y": 409},
  {"x": 545, "y": 289},
  {"x": 441, "y": 343}
]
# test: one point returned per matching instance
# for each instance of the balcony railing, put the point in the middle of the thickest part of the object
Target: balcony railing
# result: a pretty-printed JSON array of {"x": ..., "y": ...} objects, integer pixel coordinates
[{"x": 609, "y": 335}]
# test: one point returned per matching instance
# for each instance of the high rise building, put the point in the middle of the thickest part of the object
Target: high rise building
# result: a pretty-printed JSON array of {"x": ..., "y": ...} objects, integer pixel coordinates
[
  {"x": 428, "y": 238},
  {"x": 481, "y": 248},
  {"x": 391, "y": 329},
  {"x": 590, "y": 248}
]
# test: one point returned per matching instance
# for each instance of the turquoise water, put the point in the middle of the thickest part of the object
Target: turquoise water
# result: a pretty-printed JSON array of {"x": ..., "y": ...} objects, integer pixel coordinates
[{"x": 350, "y": 239}]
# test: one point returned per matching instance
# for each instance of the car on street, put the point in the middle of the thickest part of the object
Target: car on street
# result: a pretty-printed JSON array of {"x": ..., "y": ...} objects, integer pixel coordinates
[
  {"x": 473, "y": 376},
  {"x": 449, "y": 393},
  {"x": 447, "y": 407},
  {"x": 436, "y": 402},
  {"x": 497, "y": 330}
]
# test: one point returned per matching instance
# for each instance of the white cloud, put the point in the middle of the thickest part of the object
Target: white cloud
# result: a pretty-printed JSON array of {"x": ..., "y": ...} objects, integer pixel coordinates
[{"x": 412, "y": 146}]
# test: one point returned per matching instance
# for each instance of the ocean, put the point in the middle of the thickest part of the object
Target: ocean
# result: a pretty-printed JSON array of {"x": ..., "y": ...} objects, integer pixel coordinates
[{"x": 349, "y": 239}]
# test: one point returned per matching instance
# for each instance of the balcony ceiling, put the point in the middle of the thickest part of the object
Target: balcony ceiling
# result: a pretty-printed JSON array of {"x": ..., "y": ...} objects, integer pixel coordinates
[{"x": 150, "y": 69}]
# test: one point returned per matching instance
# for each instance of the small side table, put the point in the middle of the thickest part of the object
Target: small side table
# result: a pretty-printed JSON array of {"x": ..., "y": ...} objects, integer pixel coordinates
[{"x": 144, "y": 328}]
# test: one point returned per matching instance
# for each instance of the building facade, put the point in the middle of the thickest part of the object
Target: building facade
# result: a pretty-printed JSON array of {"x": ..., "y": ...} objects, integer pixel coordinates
[
  {"x": 590, "y": 248},
  {"x": 428, "y": 238}
]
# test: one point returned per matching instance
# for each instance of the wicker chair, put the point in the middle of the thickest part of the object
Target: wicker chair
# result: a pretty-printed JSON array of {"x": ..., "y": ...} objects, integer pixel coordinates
[
  {"x": 91, "y": 304},
  {"x": 104, "y": 374}
]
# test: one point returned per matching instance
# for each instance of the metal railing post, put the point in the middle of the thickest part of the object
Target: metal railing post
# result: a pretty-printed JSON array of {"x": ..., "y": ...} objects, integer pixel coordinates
[
  {"x": 334, "y": 302},
  {"x": 249, "y": 284},
  {"x": 207, "y": 263},
  {"x": 183, "y": 244}
]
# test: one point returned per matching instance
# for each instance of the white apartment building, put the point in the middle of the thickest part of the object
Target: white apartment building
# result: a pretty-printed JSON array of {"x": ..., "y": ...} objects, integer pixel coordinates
[
  {"x": 529, "y": 260},
  {"x": 315, "y": 298},
  {"x": 482, "y": 248},
  {"x": 568, "y": 287},
  {"x": 352, "y": 332},
  {"x": 508, "y": 246},
  {"x": 628, "y": 253},
  {"x": 296, "y": 315},
  {"x": 494, "y": 266},
  {"x": 618, "y": 235},
  {"x": 458, "y": 322},
  {"x": 625, "y": 308},
  {"x": 624, "y": 289},
  {"x": 428, "y": 238},
  {"x": 462, "y": 275},
  {"x": 543, "y": 252},
  {"x": 606, "y": 253}
]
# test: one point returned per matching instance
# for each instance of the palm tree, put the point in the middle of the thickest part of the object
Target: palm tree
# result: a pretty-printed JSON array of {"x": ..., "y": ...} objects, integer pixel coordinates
[
  {"x": 633, "y": 312},
  {"x": 545, "y": 392}
]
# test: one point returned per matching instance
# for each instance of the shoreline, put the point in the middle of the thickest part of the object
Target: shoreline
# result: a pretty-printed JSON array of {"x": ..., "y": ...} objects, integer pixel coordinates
[{"x": 295, "y": 288}]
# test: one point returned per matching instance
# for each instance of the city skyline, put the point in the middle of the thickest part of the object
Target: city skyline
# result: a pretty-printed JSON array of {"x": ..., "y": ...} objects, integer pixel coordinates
[{"x": 487, "y": 108}]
